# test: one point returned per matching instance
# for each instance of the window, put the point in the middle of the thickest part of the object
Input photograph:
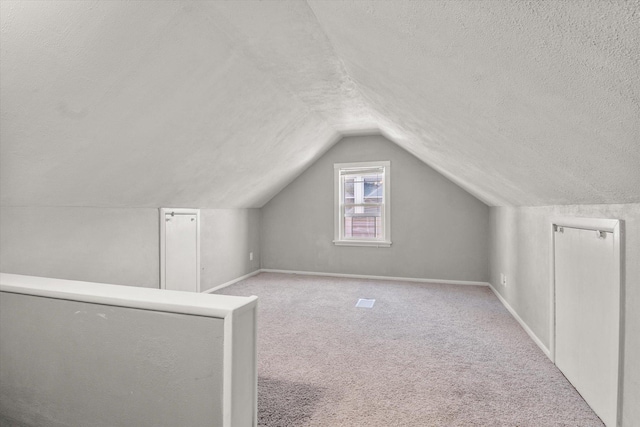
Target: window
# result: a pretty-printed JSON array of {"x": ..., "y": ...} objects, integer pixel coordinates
[{"x": 362, "y": 204}]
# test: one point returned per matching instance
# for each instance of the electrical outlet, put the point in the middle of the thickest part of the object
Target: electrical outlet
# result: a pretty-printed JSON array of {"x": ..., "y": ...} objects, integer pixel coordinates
[
  {"x": 250, "y": 256},
  {"x": 503, "y": 279}
]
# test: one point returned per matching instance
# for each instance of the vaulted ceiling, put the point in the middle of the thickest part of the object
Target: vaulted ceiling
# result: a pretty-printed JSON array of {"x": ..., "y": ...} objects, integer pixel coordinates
[{"x": 221, "y": 104}]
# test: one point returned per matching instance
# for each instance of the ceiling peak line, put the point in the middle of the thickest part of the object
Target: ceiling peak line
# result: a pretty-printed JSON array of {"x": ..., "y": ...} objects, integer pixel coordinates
[
  {"x": 343, "y": 68},
  {"x": 252, "y": 53}
]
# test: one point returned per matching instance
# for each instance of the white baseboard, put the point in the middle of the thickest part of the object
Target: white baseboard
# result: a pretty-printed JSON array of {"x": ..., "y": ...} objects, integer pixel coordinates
[
  {"x": 365, "y": 276},
  {"x": 526, "y": 328},
  {"x": 231, "y": 282}
]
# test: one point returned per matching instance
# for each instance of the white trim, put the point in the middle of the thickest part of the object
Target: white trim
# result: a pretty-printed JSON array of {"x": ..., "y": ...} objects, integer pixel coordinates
[
  {"x": 361, "y": 165},
  {"x": 367, "y": 276},
  {"x": 163, "y": 237},
  {"x": 227, "y": 372},
  {"x": 231, "y": 282},
  {"x": 338, "y": 226},
  {"x": 588, "y": 223},
  {"x": 374, "y": 243},
  {"x": 526, "y": 327},
  {"x": 552, "y": 297},
  {"x": 255, "y": 366}
]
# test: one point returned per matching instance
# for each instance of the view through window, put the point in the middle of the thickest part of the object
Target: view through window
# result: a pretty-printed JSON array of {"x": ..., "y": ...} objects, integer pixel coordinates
[{"x": 363, "y": 199}]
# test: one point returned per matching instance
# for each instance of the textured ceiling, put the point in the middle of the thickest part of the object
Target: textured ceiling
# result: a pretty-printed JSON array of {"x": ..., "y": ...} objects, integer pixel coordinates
[{"x": 221, "y": 104}]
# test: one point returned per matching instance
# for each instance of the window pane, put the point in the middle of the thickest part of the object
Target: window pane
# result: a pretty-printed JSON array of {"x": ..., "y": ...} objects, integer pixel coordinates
[
  {"x": 363, "y": 222},
  {"x": 348, "y": 189},
  {"x": 362, "y": 227},
  {"x": 373, "y": 188},
  {"x": 365, "y": 188}
]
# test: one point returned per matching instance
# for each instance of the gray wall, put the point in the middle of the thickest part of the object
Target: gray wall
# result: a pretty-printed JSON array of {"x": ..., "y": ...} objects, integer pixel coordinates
[
  {"x": 520, "y": 248},
  {"x": 227, "y": 237},
  {"x": 438, "y": 230},
  {"x": 120, "y": 245},
  {"x": 108, "y": 245},
  {"x": 70, "y": 363}
]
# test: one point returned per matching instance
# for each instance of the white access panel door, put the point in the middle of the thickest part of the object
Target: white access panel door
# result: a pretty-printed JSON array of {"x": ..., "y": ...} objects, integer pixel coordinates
[
  {"x": 181, "y": 252},
  {"x": 587, "y": 301}
]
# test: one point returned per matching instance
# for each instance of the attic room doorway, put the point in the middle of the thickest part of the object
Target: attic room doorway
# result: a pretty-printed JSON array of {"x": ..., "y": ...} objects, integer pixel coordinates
[{"x": 180, "y": 249}]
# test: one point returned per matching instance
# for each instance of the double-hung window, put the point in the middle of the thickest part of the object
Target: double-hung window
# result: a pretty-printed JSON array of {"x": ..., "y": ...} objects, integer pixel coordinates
[{"x": 362, "y": 204}]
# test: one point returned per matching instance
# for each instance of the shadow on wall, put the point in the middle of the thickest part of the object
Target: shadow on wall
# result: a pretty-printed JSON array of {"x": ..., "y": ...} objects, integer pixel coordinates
[{"x": 285, "y": 403}]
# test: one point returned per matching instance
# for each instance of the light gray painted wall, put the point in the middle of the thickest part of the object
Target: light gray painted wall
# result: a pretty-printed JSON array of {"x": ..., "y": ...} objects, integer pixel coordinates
[
  {"x": 521, "y": 248},
  {"x": 70, "y": 363},
  {"x": 227, "y": 237},
  {"x": 109, "y": 245},
  {"x": 120, "y": 245},
  {"x": 438, "y": 230}
]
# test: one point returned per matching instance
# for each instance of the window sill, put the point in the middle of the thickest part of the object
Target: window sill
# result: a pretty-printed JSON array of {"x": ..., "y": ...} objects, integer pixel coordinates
[{"x": 371, "y": 243}]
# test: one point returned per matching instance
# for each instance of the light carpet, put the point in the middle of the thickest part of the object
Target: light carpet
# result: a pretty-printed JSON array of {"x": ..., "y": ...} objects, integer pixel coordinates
[{"x": 424, "y": 355}]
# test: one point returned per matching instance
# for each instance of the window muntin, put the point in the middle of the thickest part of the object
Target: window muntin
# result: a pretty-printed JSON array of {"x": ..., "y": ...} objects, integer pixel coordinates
[{"x": 362, "y": 210}]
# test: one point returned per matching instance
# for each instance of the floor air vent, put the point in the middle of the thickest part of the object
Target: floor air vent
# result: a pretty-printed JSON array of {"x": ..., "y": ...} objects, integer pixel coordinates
[{"x": 365, "y": 303}]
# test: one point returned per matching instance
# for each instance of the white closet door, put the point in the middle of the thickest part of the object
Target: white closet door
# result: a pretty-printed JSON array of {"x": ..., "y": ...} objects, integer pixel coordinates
[
  {"x": 587, "y": 292},
  {"x": 181, "y": 252}
]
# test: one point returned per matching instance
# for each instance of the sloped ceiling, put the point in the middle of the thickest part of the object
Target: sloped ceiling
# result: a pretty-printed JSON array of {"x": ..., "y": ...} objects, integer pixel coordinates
[{"x": 221, "y": 104}]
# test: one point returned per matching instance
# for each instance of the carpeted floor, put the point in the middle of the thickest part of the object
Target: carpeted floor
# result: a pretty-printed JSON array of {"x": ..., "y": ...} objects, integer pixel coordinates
[{"x": 425, "y": 355}]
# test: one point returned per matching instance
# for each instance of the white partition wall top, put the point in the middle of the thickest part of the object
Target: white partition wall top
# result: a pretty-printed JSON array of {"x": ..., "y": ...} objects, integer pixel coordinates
[{"x": 127, "y": 296}]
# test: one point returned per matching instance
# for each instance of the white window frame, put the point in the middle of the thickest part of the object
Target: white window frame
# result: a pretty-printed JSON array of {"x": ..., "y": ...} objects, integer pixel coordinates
[{"x": 384, "y": 241}]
